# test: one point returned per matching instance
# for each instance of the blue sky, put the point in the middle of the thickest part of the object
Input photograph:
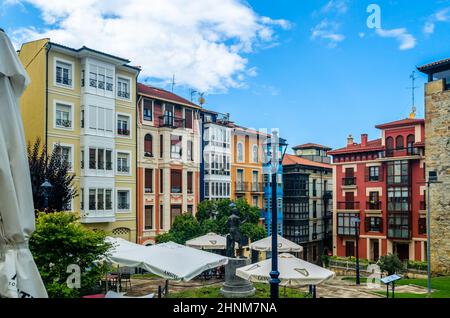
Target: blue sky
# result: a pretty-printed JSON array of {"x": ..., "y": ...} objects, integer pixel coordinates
[{"x": 314, "y": 70}]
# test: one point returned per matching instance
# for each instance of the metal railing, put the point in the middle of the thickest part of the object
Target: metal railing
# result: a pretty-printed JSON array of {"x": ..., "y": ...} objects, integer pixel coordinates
[
  {"x": 373, "y": 205},
  {"x": 401, "y": 152},
  {"x": 347, "y": 205},
  {"x": 123, "y": 94},
  {"x": 348, "y": 181},
  {"x": 123, "y": 131},
  {"x": 64, "y": 123},
  {"x": 171, "y": 121}
]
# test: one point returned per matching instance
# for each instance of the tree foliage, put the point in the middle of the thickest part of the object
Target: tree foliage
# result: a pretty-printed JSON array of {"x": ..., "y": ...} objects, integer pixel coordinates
[
  {"x": 391, "y": 264},
  {"x": 212, "y": 216},
  {"x": 59, "y": 241},
  {"x": 54, "y": 169}
]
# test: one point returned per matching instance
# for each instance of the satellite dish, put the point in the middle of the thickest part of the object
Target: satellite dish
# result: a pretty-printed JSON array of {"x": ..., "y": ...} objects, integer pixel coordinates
[
  {"x": 412, "y": 115},
  {"x": 201, "y": 99}
]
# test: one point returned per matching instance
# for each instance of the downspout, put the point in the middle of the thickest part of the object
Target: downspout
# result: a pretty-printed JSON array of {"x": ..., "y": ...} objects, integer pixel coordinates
[
  {"x": 138, "y": 99},
  {"x": 49, "y": 45}
]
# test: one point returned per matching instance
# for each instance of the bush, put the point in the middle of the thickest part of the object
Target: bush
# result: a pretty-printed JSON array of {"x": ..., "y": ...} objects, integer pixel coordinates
[
  {"x": 391, "y": 264},
  {"x": 59, "y": 241}
]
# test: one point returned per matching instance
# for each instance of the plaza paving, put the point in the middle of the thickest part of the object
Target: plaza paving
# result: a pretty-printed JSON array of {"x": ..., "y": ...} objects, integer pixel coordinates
[{"x": 336, "y": 288}]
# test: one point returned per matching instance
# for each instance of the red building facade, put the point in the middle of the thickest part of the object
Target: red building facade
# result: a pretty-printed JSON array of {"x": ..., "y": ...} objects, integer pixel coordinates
[{"x": 381, "y": 183}]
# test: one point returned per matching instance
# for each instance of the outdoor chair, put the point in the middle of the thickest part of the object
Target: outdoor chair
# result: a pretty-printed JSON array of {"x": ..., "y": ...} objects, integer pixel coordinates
[{"x": 126, "y": 279}]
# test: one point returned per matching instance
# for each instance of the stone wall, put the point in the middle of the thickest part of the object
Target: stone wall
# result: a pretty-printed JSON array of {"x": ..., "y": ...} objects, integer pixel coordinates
[{"x": 437, "y": 153}]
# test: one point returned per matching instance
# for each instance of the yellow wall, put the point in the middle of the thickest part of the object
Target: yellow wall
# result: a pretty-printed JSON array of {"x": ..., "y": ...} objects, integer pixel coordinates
[
  {"x": 247, "y": 165},
  {"x": 32, "y": 102}
]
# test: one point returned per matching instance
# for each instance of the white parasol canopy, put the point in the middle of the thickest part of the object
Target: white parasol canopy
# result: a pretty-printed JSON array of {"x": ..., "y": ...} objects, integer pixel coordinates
[
  {"x": 168, "y": 260},
  {"x": 19, "y": 276},
  {"x": 293, "y": 272},
  {"x": 210, "y": 241},
  {"x": 284, "y": 245}
]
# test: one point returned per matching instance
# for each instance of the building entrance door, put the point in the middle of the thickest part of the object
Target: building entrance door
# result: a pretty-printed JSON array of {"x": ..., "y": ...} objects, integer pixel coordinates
[
  {"x": 349, "y": 248},
  {"x": 402, "y": 250},
  {"x": 375, "y": 250}
]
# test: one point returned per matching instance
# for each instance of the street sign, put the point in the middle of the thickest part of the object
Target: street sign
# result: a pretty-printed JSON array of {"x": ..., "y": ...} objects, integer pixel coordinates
[{"x": 390, "y": 279}]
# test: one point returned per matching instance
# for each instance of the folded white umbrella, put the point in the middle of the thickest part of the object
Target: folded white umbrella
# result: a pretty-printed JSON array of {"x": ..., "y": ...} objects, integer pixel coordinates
[
  {"x": 168, "y": 260},
  {"x": 284, "y": 245},
  {"x": 293, "y": 272},
  {"x": 112, "y": 294},
  {"x": 210, "y": 241},
  {"x": 19, "y": 276}
]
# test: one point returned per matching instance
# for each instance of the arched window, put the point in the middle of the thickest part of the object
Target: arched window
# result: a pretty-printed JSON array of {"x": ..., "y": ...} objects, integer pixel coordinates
[
  {"x": 255, "y": 153},
  {"x": 240, "y": 152},
  {"x": 410, "y": 143},
  {"x": 399, "y": 142},
  {"x": 148, "y": 145},
  {"x": 389, "y": 146}
]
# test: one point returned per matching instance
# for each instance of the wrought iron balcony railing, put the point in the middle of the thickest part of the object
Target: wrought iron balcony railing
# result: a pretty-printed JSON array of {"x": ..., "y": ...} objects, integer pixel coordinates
[
  {"x": 373, "y": 205},
  {"x": 346, "y": 205},
  {"x": 171, "y": 121},
  {"x": 64, "y": 123},
  {"x": 349, "y": 181}
]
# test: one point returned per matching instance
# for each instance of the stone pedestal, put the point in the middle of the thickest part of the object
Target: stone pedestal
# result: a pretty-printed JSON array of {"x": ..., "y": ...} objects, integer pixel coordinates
[{"x": 234, "y": 286}]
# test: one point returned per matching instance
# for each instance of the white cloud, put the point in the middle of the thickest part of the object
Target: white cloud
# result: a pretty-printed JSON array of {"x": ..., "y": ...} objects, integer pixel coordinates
[
  {"x": 203, "y": 42},
  {"x": 407, "y": 40},
  {"x": 338, "y": 6},
  {"x": 442, "y": 15},
  {"x": 327, "y": 31}
]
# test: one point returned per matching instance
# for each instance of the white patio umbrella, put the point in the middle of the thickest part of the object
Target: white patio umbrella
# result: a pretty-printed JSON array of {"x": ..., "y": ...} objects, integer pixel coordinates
[
  {"x": 19, "y": 276},
  {"x": 168, "y": 260},
  {"x": 210, "y": 241},
  {"x": 293, "y": 272},
  {"x": 284, "y": 245}
]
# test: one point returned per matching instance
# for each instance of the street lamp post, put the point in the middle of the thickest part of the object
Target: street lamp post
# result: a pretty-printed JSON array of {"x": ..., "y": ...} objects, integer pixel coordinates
[
  {"x": 46, "y": 187},
  {"x": 357, "y": 222},
  {"x": 275, "y": 144}
]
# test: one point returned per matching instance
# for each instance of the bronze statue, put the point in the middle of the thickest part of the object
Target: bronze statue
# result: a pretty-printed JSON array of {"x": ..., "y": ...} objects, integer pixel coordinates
[{"x": 235, "y": 235}]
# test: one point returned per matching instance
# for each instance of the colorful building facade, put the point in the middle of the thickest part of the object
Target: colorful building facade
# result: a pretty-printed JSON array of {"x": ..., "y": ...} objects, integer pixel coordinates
[
  {"x": 82, "y": 103},
  {"x": 381, "y": 183},
  {"x": 307, "y": 201},
  {"x": 215, "y": 168},
  {"x": 246, "y": 166},
  {"x": 168, "y": 152},
  {"x": 268, "y": 170}
]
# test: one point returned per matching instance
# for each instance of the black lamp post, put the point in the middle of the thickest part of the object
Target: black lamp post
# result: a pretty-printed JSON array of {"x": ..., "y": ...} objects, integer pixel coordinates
[
  {"x": 46, "y": 187},
  {"x": 276, "y": 159},
  {"x": 357, "y": 222}
]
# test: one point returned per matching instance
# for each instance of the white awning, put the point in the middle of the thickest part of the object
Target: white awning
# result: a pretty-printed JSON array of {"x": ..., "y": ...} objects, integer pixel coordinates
[
  {"x": 168, "y": 260},
  {"x": 284, "y": 245},
  {"x": 293, "y": 272},
  {"x": 210, "y": 241},
  {"x": 19, "y": 276}
]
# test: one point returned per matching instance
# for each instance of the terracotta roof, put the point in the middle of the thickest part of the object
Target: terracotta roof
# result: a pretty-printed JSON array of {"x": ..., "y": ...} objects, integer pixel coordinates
[
  {"x": 400, "y": 123},
  {"x": 372, "y": 145},
  {"x": 160, "y": 93},
  {"x": 295, "y": 160},
  {"x": 429, "y": 68},
  {"x": 311, "y": 145}
]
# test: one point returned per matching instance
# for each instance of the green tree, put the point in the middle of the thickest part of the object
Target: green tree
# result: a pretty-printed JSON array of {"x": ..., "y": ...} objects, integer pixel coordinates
[
  {"x": 59, "y": 241},
  {"x": 391, "y": 264},
  {"x": 184, "y": 227},
  {"x": 54, "y": 169}
]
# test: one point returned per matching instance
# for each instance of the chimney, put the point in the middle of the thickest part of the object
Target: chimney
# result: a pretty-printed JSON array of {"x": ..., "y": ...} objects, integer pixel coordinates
[
  {"x": 364, "y": 138},
  {"x": 350, "y": 140}
]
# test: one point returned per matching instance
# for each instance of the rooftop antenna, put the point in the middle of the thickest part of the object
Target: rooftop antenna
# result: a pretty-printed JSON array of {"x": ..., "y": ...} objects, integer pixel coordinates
[
  {"x": 192, "y": 92},
  {"x": 413, "y": 78},
  {"x": 173, "y": 82}
]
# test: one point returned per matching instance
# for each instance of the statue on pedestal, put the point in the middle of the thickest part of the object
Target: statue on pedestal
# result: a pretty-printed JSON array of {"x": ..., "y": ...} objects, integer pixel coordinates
[{"x": 235, "y": 235}]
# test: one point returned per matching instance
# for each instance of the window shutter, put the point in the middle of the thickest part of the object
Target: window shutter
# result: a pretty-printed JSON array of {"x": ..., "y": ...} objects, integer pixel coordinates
[
  {"x": 367, "y": 173},
  {"x": 367, "y": 224}
]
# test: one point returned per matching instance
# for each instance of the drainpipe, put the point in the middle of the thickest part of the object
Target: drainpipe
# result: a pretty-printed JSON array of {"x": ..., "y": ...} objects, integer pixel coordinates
[{"x": 49, "y": 46}]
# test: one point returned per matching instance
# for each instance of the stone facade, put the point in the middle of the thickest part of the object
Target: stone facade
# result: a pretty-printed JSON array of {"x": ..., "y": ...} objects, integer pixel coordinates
[{"x": 437, "y": 139}]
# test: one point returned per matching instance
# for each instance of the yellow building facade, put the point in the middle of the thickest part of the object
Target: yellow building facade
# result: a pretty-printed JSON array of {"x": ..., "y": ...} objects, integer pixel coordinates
[
  {"x": 246, "y": 166},
  {"x": 82, "y": 101}
]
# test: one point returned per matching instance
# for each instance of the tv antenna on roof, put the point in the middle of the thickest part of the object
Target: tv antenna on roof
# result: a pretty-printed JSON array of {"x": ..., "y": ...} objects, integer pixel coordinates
[
  {"x": 413, "y": 78},
  {"x": 173, "y": 82}
]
